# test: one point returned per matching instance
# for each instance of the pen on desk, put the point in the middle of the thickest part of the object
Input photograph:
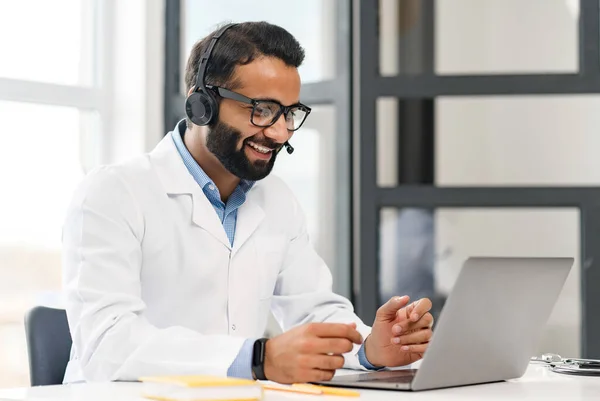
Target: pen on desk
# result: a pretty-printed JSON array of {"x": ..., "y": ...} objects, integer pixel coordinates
[
  {"x": 329, "y": 390},
  {"x": 291, "y": 389},
  {"x": 312, "y": 389}
]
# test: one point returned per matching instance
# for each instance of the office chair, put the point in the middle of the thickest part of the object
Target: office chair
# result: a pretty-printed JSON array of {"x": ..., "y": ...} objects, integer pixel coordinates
[{"x": 48, "y": 344}]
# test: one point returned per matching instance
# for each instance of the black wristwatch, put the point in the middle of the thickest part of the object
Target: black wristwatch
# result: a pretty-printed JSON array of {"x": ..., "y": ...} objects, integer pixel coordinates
[{"x": 258, "y": 359}]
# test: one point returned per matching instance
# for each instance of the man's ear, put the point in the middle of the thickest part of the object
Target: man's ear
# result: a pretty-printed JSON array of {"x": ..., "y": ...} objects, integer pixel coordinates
[{"x": 190, "y": 91}]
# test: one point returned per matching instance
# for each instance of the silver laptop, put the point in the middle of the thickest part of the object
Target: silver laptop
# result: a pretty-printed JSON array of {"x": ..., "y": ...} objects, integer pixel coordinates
[{"x": 488, "y": 329}]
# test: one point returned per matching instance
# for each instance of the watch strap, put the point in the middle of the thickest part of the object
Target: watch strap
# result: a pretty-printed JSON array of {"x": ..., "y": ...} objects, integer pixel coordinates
[{"x": 258, "y": 358}]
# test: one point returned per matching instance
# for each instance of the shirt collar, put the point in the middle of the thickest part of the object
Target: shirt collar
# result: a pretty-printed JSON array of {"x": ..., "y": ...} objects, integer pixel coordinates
[{"x": 192, "y": 165}]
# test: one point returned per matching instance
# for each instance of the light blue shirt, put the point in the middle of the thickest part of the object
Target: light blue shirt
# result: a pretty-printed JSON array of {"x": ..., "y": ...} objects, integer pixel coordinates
[{"x": 227, "y": 212}]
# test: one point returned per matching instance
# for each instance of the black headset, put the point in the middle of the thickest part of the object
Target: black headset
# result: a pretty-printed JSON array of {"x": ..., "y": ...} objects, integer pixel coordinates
[{"x": 201, "y": 106}]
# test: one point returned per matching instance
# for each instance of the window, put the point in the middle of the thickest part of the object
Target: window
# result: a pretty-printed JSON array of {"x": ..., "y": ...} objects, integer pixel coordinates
[
  {"x": 296, "y": 17},
  {"x": 52, "y": 91},
  {"x": 479, "y": 37},
  {"x": 517, "y": 140},
  {"x": 49, "y": 41}
]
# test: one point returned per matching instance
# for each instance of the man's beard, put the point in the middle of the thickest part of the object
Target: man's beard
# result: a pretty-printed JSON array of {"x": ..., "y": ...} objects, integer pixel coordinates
[{"x": 222, "y": 141}]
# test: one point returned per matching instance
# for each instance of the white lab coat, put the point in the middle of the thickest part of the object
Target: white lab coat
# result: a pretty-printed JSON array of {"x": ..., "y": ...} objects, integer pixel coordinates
[{"x": 153, "y": 286}]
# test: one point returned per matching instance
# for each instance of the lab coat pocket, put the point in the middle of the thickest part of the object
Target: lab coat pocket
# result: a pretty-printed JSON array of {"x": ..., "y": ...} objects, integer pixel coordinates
[{"x": 270, "y": 252}]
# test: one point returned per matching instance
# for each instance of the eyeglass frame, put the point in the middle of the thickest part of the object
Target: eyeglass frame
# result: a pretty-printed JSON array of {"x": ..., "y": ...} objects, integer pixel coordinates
[{"x": 229, "y": 94}]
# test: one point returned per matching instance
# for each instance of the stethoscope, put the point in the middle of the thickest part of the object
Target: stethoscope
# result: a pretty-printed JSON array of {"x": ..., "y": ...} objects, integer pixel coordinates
[{"x": 574, "y": 366}]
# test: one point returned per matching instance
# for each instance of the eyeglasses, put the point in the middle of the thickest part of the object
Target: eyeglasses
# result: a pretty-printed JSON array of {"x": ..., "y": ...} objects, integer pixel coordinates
[{"x": 266, "y": 112}]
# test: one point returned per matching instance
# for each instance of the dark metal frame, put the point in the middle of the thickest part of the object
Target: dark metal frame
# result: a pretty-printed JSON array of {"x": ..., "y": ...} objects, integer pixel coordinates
[
  {"x": 370, "y": 198},
  {"x": 174, "y": 101},
  {"x": 336, "y": 92}
]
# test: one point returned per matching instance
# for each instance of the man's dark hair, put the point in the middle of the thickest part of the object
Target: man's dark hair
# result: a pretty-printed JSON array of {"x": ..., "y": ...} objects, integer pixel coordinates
[{"x": 240, "y": 45}]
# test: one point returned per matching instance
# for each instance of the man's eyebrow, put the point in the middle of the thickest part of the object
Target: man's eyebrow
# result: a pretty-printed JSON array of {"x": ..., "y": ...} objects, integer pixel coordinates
[{"x": 269, "y": 99}]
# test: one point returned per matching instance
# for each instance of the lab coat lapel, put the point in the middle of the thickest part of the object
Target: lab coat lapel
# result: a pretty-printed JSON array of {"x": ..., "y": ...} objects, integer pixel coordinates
[
  {"x": 177, "y": 181},
  {"x": 249, "y": 217},
  {"x": 205, "y": 216}
]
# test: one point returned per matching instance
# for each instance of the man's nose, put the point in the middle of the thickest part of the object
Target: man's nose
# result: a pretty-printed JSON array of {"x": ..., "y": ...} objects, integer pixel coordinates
[{"x": 278, "y": 131}]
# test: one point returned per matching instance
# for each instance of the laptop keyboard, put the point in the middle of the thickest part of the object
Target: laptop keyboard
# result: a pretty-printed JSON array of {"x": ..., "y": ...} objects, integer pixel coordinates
[
  {"x": 401, "y": 379},
  {"x": 385, "y": 376}
]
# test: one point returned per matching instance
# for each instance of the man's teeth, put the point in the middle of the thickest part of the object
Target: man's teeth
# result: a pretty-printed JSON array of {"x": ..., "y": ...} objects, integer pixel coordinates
[{"x": 259, "y": 148}]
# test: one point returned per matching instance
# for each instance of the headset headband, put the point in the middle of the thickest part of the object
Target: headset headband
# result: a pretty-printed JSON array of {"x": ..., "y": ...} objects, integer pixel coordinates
[{"x": 206, "y": 56}]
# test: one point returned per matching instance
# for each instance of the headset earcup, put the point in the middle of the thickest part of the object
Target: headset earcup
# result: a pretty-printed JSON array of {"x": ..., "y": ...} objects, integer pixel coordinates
[{"x": 201, "y": 108}]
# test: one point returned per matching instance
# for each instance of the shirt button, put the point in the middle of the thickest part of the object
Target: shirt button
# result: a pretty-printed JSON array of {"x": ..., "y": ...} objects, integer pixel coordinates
[
  {"x": 211, "y": 187},
  {"x": 233, "y": 327}
]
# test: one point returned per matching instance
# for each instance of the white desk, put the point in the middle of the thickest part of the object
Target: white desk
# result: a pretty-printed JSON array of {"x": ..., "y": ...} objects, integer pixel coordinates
[{"x": 537, "y": 384}]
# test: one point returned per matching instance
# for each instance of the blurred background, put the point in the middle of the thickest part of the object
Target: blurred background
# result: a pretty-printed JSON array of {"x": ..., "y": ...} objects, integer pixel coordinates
[{"x": 440, "y": 130}]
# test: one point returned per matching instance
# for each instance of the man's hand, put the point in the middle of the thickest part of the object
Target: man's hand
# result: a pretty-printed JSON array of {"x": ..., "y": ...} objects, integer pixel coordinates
[
  {"x": 400, "y": 333},
  {"x": 311, "y": 352}
]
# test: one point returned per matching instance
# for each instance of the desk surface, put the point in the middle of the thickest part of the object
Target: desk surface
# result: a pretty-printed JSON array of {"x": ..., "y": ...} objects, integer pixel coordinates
[{"x": 537, "y": 383}]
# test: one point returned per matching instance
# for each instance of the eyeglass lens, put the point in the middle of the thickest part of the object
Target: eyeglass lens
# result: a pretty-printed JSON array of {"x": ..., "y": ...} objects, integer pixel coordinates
[{"x": 265, "y": 113}]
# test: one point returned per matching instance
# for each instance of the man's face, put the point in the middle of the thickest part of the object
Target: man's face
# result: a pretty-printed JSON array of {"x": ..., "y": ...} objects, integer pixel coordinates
[{"x": 245, "y": 150}]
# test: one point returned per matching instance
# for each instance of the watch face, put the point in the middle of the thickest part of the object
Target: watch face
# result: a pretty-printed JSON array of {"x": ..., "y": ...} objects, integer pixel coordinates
[{"x": 256, "y": 353}]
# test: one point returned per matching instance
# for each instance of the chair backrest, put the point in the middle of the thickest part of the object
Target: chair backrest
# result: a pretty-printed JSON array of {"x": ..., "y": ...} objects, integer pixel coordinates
[{"x": 48, "y": 344}]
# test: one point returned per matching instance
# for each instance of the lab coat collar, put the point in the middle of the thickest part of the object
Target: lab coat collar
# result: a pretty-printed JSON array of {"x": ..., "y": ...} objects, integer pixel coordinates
[
  {"x": 177, "y": 180},
  {"x": 172, "y": 173}
]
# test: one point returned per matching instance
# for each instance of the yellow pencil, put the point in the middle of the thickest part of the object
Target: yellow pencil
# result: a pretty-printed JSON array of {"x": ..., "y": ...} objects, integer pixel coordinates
[
  {"x": 291, "y": 389},
  {"x": 329, "y": 390},
  {"x": 312, "y": 389}
]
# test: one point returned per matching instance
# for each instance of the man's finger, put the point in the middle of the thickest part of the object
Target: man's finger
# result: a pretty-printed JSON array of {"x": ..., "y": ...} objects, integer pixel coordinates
[
  {"x": 416, "y": 337},
  {"x": 327, "y": 362},
  {"x": 414, "y": 349},
  {"x": 391, "y": 307},
  {"x": 415, "y": 310},
  {"x": 406, "y": 326},
  {"x": 421, "y": 308},
  {"x": 336, "y": 330},
  {"x": 319, "y": 375},
  {"x": 332, "y": 346}
]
